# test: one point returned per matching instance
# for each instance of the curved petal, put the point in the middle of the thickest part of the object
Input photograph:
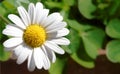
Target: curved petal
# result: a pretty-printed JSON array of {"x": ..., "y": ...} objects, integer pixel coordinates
[
  {"x": 53, "y": 19},
  {"x": 54, "y": 47},
  {"x": 23, "y": 55},
  {"x": 24, "y": 15},
  {"x": 62, "y": 32},
  {"x": 31, "y": 10},
  {"x": 39, "y": 5},
  {"x": 12, "y": 42},
  {"x": 16, "y": 20},
  {"x": 46, "y": 62},
  {"x": 50, "y": 54},
  {"x": 13, "y": 31},
  {"x": 37, "y": 12},
  {"x": 18, "y": 50},
  {"x": 59, "y": 33},
  {"x": 43, "y": 16},
  {"x": 38, "y": 57},
  {"x": 56, "y": 27},
  {"x": 61, "y": 41},
  {"x": 31, "y": 62}
]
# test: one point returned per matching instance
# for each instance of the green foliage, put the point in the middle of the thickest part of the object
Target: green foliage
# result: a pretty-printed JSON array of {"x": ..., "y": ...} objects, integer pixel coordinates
[
  {"x": 4, "y": 56},
  {"x": 93, "y": 41},
  {"x": 73, "y": 36},
  {"x": 86, "y": 8},
  {"x": 81, "y": 61},
  {"x": 93, "y": 25},
  {"x": 58, "y": 66},
  {"x": 69, "y": 2},
  {"x": 113, "y": 28},
  {"x": 2, "y": 10},
  {"x": 113, "y": 51},
  {"x": 77, "y": 26}
]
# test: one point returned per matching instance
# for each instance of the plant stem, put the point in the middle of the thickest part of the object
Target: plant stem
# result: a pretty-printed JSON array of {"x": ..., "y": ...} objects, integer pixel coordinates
[
  {"x": 101, "y": 52},
  {"x": 4, "y": 19}
]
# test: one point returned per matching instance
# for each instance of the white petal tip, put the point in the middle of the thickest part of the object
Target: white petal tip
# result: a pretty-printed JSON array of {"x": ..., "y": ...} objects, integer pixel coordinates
[
  {"x": 19, "y": 7},
  {"x": 68, "y": 42},
  {"x": 30, "y": 70},
  {"x": 4, "y": 32},
  {"x": 39, "y": 3},
  {"x": 53, "y": 61},
  {"x": 10, "y": 16},
  {"x": 18, "y": 62},
  {"x": 61, "y": 52}
]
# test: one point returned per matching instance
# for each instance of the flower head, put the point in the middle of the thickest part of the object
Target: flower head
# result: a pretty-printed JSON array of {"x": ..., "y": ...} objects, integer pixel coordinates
[{"x": 36, "y": 36}]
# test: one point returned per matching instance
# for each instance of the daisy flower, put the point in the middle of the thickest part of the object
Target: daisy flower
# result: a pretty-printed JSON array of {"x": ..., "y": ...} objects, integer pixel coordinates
[{"x": 36, "y": 36}]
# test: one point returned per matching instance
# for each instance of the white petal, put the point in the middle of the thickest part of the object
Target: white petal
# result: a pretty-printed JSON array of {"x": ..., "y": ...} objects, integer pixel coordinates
[
  {"x": 56, "y": 27},
  {"x": 18, "y": 50},
  {"x": 43, "y": 16},
  {"x": 49, "y": 53},
  {"x": 12, "y": 42},
  {"x": 54, "y": 57},
  {"x": 16, "y": 20},
  {"x": 54, "y": 47},
  {"x": 59, "y": 33},
  {"x": 38, "y": 57},
  {"x": 24, "y": 15},
  {"x": 13, "y": 31},
  {"x": 23, "y": 55},
  {"x": 62, "y": 32},
  {"x": 53, "y": 19},
  {"x": 61, "y": 41},
  {"x": 31, "y": 10},
  {"x": 39, "y": 5},
  {"x": 46, "y": 62},
  {"x": 37, "y": 12},
  {"x": 31, "y": 62}
]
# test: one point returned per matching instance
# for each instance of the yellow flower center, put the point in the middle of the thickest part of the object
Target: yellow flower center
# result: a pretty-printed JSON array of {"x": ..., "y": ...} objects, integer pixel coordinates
[{"x": 34, "y": 35}]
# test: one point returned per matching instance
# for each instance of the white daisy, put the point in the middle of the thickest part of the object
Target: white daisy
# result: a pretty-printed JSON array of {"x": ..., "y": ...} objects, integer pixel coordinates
[{"x": 35, "y": 36}]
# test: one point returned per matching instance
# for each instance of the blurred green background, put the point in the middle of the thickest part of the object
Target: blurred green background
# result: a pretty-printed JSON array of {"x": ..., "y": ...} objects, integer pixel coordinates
[{"x": 94, "y": 32}]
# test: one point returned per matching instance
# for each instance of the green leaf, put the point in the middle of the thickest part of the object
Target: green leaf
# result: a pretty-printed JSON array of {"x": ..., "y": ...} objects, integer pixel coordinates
[
  {"x": 113, "y": 51},
  {"x": 115, "y": 6},
  {"x": 83, "y": 59},
  {"x": 58, "y": 66},
  {"x": 74, "y": 39},
  {"x": 93, "y": 41},
  {"x": 86, "y": 8},
  {"x": 113, "y": 28},
  {"x": 9, "y": 4},
  {"x": 2, "y": 26},
  {"x": 4, "y": 56},
  {"x": 77, "y": 26},
  {"x": 66, "y": 48},
  {"x": 35, "y": 1},
  {"x": 69, "y": 2},
  {"x": 51, "y": 4},
  {"x": 2, "y": 11},
  {"x": 0, "y": 36},
  {"x": 0, "y": 33}
]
